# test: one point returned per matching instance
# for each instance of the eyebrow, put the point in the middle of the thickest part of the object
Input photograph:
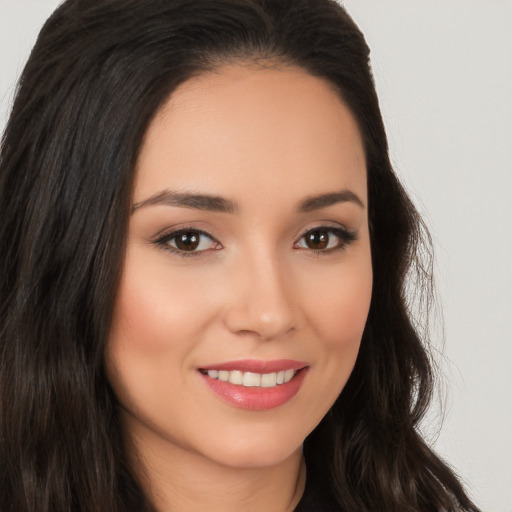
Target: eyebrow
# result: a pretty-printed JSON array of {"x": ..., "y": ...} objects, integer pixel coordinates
[
  {"x": 214, "y": 203},
  {"x": 188, "y": 200},
  {"x": 324, "y": 200}
]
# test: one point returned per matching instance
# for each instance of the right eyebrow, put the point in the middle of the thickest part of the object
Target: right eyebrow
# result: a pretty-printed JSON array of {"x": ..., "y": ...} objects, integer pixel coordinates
[
  {"x": 188, "y": 200},
  {"x": 325, "y": 200}
]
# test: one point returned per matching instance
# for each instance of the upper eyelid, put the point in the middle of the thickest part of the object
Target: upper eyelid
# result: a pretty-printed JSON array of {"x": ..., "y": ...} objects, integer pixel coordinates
[
  {"x": 166, "y": 235},
  {"x": 326, "y": 227},
  {"x": 170, "y": 232},
  {"x": 347, "y": 237},
  {"x": 162, "y": 242}
]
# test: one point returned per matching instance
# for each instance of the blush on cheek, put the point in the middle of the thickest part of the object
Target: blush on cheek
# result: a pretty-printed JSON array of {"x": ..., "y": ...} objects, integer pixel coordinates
[
  {"x": 344, "y": 312},
  {"x": 143, "y": 315},
  {"x": 136, "y": 322}
]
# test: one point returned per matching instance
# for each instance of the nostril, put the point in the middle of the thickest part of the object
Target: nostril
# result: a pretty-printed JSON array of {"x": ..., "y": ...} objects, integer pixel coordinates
[{"x": 260, "y": 307}]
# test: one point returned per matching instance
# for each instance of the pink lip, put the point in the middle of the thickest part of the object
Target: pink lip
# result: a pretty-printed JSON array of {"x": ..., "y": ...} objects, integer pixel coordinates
[
  {"x": 257, "y": 398},
  {"x": 257, "y": 366}
]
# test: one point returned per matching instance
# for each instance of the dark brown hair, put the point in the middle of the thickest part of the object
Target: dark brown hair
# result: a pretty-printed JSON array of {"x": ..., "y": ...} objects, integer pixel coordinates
[{"x": 98, "y": 73}]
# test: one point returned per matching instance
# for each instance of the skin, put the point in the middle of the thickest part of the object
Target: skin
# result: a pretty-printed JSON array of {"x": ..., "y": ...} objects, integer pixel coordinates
[{"x": 267, "y": 139}]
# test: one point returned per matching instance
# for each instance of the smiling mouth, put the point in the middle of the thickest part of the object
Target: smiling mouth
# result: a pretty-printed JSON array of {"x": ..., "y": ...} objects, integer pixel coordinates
[
  {"x": 254, "y": 384},
  {"x": 251, "y": 379}
]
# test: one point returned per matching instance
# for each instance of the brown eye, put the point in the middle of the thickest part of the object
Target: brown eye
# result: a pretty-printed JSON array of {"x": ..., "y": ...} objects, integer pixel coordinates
[
  {"x": 325, "y": 239},
  {"x": 187, "y": 241},
  {"x": 317, "y": 240}
]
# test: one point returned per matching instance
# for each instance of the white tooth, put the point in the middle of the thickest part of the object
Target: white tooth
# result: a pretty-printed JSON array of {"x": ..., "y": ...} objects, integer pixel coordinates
[
  {"x": 288, "y": 375},
  {"x": 252, "y": 379},
  {"x": 236, "y": 377},
  {"x": 280, "y": 377},
  {"x": 223, "y": 375},
  {"x": 268, "y": 380},
  {"x": 213, "y": 374}
]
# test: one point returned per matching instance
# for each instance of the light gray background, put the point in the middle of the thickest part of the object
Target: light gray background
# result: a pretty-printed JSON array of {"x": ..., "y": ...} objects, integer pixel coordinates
[{"x": 443, "y": 70}]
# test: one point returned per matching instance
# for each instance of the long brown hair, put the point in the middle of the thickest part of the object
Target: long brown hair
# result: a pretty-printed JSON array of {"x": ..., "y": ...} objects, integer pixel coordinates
[{"x": 97, "y": 75}]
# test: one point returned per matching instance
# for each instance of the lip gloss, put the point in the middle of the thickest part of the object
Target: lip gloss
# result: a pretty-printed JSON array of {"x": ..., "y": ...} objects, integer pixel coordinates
[{"x": 255, "y": 397}]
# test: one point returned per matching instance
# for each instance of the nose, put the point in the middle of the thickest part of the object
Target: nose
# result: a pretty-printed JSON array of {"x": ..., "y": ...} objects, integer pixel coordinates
[{"x": 261, "y": 302}]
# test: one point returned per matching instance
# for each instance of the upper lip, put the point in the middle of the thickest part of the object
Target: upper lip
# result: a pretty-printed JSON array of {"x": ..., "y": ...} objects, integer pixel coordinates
[{"x": 257, "y": 365}]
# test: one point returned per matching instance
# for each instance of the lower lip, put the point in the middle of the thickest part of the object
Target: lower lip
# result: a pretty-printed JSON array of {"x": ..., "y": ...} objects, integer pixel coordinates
[{"x": 256, "y": 398}]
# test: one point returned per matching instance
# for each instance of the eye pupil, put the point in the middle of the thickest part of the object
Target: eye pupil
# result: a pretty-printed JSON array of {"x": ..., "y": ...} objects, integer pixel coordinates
[
  {"x": 317, "y": 240},
  {"x": 187, "y": 241}
]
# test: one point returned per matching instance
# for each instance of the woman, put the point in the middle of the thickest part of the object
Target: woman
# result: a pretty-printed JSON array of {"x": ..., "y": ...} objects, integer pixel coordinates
[{"x": 203, "y": 261}]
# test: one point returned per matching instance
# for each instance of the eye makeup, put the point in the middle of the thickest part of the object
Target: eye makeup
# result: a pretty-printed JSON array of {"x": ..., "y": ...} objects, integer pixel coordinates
[
  {"x": 324, "y": 240},
  {"x": 187, "y": 242},
  {"x": 193, "y": 242}
]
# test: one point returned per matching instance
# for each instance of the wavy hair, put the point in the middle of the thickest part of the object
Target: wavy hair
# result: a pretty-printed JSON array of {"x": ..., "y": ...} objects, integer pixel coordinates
[{"x": 96, "y": 77}]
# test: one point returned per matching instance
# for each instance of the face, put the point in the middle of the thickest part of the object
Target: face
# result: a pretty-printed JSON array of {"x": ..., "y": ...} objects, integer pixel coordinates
[{"x": 247, "y": 277}]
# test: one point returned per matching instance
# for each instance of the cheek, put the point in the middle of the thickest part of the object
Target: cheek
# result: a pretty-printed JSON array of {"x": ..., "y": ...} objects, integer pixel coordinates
[
  {"x": 339, "y": 315},
  {"x": 150, "y": 325},
  {"x": 155, "y": 306},
  {"x": 339, "y": 318}
]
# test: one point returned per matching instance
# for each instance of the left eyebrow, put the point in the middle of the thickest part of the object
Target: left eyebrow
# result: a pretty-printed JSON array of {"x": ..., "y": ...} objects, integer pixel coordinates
[
  {"x": 188, "y": 200},
  {"x": 324, "y": 200}
]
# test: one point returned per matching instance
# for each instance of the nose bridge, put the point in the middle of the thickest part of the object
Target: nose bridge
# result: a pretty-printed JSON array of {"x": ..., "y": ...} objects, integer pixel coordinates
[{"x": 262, "y": 298}]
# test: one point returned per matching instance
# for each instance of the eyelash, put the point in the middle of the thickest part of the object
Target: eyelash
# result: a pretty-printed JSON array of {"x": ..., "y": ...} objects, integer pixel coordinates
[
  {"x": 164, "y": 241},
  {"x": 345, "y": 239}
]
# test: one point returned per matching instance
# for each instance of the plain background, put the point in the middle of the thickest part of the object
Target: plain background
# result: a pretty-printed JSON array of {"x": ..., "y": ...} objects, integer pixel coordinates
[{"x": 443, "y": 70}]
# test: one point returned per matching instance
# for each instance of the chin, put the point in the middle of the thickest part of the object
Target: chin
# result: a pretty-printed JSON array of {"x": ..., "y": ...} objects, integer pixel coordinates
[{"x": 257, "y": 451}]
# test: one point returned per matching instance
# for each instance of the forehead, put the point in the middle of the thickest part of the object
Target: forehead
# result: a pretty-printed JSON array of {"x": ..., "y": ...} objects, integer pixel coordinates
[{"x": 255, "y": 127}]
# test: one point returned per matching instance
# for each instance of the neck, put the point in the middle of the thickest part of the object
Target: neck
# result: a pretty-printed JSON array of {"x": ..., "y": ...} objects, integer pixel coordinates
[{"x": 177, "y": 479}]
